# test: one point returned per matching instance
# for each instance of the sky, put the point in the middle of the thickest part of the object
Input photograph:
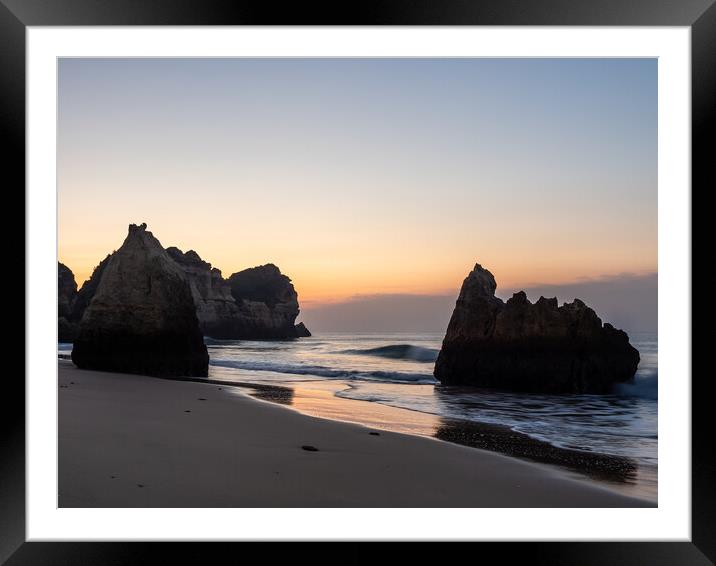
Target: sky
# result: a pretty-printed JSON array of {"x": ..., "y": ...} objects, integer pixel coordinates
[
  {"x": 366, "y": 177},
  {"x": 627, "y": 301}
]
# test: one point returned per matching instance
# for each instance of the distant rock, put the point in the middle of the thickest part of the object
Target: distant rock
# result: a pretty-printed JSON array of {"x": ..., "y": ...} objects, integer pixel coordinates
[
  {"x": 256, "y": 303},
  {"x": 215, "y": 307},
  {"x": 267, "y": 301},
  {"x": 66, "y": 294},
  {"x": 71, "y": 303},
  {"x": 302, "y": 331},
  {"x": 88, "y": 289},
  {"x": 66, "y": 290},
  {"x": 538, "y": 347},
  {"x": 141, "y": 317}
]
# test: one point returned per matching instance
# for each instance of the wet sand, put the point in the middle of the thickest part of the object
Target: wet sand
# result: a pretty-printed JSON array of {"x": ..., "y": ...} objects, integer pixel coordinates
[
  {"x": 135, "y": 441},
  {"x": 319, "y": 399}
]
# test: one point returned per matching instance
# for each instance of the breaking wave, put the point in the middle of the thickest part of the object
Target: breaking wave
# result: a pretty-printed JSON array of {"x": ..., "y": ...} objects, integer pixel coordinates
[
  {"x": 643, "y": 387},
  {"x": 326, "y": 372},
  {"x": 399, "y": 352}
]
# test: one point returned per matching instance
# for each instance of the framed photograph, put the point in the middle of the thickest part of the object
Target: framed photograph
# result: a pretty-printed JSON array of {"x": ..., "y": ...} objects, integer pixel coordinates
[{"x": 419, "y": 274}]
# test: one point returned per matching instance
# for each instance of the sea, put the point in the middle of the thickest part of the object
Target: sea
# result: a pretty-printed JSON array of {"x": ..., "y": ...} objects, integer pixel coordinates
[{"x": 396, "y": 370}]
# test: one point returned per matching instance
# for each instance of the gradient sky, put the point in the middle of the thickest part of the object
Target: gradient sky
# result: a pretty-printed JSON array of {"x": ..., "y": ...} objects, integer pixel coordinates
[{"x": 365, "y": 176}]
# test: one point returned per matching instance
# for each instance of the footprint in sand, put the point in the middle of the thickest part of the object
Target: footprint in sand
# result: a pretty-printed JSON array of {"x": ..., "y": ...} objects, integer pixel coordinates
[{"x": 309, "y": 448}]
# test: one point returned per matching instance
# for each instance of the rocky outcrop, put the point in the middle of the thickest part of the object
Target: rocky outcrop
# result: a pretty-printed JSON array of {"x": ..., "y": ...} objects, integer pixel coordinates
[
  {"x": 88, "y": 289},
  {"x": 538, "y": 347},
  {"x": 141, "y": 317},
  {"x": 267, "y": 301},
  {"x": 256, "y": 303},
  {"x": 66, "y": 294},
  {"x": 215, "y": 307},
  {"x": 71, "y": 303},
  {"x": 302, "y": 331}
]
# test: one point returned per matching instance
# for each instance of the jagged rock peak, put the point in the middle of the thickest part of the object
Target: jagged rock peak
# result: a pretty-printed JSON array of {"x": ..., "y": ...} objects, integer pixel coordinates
[
  {"x": 189, "y": 258},
  {"x": 480, "y": 280}
]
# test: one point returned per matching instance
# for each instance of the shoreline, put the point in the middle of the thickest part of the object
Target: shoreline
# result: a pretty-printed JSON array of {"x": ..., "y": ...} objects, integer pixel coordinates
[
  {"x": 136, "y": 441},
  {"x": 616, "y": 473}
]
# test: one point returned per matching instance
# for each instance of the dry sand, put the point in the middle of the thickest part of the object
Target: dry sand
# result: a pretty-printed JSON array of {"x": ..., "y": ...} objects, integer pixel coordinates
[{"x": 135, "y": 441}]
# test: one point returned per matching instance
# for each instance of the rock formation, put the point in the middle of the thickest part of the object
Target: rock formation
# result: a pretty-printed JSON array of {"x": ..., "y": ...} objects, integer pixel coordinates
[
  {"x": 302, "y": 331},
  {"x": 71, "y": 303},
  {"x": 538, "y": 347},
  {"x": 267, "y": 300},
  {"x": 141, "y": 317},
  {"x": 88, "y": 289},
  {"x": 256, "y": 303},
  {"x": 66, "y": 294}
]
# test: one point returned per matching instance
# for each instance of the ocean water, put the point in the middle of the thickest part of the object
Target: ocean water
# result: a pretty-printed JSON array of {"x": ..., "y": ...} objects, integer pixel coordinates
[{"x": 396, "y": 370}]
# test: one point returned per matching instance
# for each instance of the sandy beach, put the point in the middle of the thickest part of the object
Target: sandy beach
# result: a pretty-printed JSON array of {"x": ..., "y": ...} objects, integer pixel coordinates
[{"x": 135, "y": 441}]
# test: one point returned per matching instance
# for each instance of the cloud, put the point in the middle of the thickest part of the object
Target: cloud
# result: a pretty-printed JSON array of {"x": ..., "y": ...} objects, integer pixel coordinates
[{"x": 628, "y": 301}]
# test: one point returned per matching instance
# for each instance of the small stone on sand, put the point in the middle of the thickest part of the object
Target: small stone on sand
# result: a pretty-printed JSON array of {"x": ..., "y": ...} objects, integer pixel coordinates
[{"x": 309, "y": 448}]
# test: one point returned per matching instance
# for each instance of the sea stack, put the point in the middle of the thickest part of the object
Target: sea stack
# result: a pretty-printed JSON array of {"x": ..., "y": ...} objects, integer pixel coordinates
[
  {"x": 253, "y": 304},
  {"x": 521, "y": 346},
  {"x": 141, "y": 317}
]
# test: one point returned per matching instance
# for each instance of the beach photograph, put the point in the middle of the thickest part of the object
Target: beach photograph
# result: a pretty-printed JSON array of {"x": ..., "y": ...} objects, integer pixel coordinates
[{"x": 357, "y": 282}]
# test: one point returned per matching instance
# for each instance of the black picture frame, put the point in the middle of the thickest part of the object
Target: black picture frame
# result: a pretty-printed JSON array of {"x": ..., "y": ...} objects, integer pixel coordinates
[{"x": 699, "y": 15}]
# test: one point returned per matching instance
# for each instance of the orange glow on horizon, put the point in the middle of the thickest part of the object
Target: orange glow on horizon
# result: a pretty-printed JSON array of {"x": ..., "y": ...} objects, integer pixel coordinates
[{"x": 319, "y": 283}]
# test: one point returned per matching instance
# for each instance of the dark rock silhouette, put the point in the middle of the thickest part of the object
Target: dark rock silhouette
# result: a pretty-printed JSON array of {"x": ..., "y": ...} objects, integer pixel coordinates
[
  {"x": 71, "y": 303},
  {"x": 538, "y": 347},
  {"x": 267, "y": 300},
  {"x": 264, "y": 304},
  {"x": 66, "y": 294},
  {"x": 88, "y": 289},
  {"x": 302, "y": 331},
  {"x": 256, "y": 303},
  {"x": 141, "y": 317}
]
